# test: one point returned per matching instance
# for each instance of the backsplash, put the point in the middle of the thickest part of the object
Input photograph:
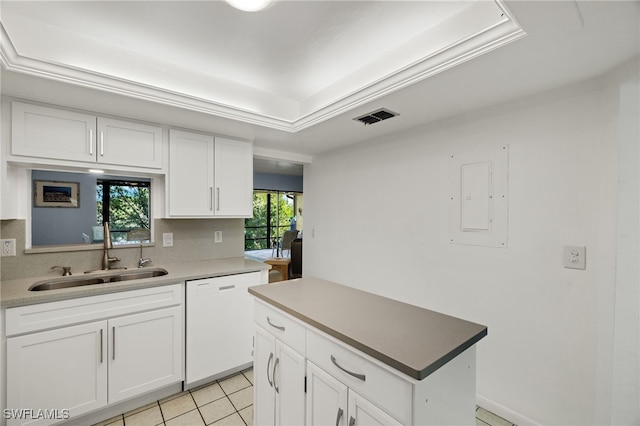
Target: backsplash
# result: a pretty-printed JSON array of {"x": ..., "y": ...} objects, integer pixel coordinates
[{"x": 193, "y": 239}]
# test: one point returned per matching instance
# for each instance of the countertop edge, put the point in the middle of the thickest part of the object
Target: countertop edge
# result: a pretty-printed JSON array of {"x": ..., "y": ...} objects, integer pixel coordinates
[
  {"x": 197, "y": 270},
  {"x": 351, "y": 341}
]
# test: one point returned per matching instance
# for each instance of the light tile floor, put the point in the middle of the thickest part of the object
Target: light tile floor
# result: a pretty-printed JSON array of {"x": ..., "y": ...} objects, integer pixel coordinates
[{"x": 227, "y": 401}]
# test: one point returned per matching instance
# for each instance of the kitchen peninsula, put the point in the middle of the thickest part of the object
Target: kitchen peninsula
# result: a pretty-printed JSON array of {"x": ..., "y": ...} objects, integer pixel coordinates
[{"x": 359, "y": 357}]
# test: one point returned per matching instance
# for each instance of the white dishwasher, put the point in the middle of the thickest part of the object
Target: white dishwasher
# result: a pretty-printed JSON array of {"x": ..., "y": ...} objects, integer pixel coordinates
[{"x": 219, "y": 325}]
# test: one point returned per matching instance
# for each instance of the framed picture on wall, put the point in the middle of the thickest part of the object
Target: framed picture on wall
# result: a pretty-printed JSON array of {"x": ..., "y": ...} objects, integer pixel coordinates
[{"x": 56, "y": 194}]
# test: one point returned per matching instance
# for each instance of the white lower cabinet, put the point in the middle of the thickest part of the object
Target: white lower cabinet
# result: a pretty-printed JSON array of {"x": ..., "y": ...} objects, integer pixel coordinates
[
  {"x": 345, "y": 387},
  {"x": 78, "y": 368},
  {"x": 330, "y": 402},
  {"x": 63, "y": 369},
  {"x": 145, "y": 352},
  {"x": 327, "y": 400},
  {"x": 279, "y": 373},
  {"x": 364, "y": 412}
]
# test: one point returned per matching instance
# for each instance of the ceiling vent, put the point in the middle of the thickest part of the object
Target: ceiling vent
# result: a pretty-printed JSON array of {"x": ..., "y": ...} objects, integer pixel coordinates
[{"x": 376, "y": 116}]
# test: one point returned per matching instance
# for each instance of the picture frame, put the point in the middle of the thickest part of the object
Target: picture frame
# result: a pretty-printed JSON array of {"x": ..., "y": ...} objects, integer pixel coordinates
[{"x": 56, "y": 194}]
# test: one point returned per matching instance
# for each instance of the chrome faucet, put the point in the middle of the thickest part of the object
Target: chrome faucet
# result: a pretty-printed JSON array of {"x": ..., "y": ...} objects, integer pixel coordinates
[
  {"x": 66, "y": 270},
  {"x": 106, "y": 260},
  {"x": 143, "y": 261}
]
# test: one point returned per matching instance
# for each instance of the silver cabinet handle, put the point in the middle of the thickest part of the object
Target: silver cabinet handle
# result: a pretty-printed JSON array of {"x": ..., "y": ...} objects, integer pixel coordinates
[
  {"x": 352, "y": 421},
  {"x": 114, "y": 342},
  {"x": 340, "y": 412},
  {"x": 356, "y": 375},
  {"x": 218, "y": 198},
  {"x": 275, "y": 365},
  {"x": 102, "y": 144},
  {"x": 227, "y": 287},
  {"x": 269, "y": 363},
  {"x": 279, "y": 327},
  {"x": 211, "y": 198},
  {"x": 90, "y": 141},
  {"x": 101, "y": 345}
]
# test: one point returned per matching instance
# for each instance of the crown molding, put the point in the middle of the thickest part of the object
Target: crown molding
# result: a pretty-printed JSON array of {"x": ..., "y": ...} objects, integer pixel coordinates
[{"x": 488, "y": 39}]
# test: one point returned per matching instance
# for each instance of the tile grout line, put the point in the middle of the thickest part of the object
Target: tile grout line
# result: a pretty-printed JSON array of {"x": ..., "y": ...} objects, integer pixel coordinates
[
  {"x": 197, "y": 407},
  {"x": 227, "y": 396},
  {"x": 161, "y": 413}
]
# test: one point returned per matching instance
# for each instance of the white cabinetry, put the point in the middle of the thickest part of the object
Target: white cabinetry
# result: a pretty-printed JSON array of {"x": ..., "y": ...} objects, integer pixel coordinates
[
  {"x": 279, "y": 369},
  {"x": 40, "y": 132},
  {"x": 234, "y": 177},
  {"x": 219, "y": 325},
  {"x": 129, "y": 144},
  {"x": 145, "y": 352},
  {"x": 58, "y": 369},
  {"x": 209, "y": 177},
  {"x": 331, "y": 402},
  {"x": 82, "y": 354},
  {"x": 346, "y": 387}
]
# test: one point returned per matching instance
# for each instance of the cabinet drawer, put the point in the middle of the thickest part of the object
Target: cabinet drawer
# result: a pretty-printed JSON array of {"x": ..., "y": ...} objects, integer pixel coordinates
[
  {"x": 281, "y": 325},
  {"x": 27, "y": 319},
  {"x": 369, "y": 379}
]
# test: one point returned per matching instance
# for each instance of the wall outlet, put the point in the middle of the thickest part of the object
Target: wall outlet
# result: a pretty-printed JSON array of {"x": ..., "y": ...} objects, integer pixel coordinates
[
  {"x": 8, "y": 247},
  {"x": 167, "y": 239},
  {"x": 575, "y": 257},
  {"x": 217, "y": 237}
]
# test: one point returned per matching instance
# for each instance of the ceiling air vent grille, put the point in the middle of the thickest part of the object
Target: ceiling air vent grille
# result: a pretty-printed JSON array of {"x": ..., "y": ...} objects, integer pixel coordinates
[{"x": 376, "y": 116}]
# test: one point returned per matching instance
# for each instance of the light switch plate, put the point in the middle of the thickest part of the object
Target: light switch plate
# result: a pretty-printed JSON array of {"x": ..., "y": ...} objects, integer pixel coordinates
[
  {"x": 217, "y": 237},
  {"x": 167, "y": 239},
  {"x": 575, "y": 257}
]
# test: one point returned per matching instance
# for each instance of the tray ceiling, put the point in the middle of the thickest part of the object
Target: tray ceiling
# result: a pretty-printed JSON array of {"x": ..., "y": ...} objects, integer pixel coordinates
[{"x": 289, "y": 67}]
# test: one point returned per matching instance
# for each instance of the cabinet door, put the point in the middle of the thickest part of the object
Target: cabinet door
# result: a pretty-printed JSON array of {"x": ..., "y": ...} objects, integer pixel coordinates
[
  {"x": 44, "y": 132},
  {"x": 288, "y": 382},
  {"x": 233, "y": 178},
  {"x": 190, "y": 189},
  {"x": 327, "y": 401},
  {"x": 145, "y": 352},
  {"x": 263, "y": 392},
  {"x": 364, "y": 413},
  {"x": 58, "y": 369},
  {"x": 219, "y": 324},
  {"x": 129, "y": 144}
]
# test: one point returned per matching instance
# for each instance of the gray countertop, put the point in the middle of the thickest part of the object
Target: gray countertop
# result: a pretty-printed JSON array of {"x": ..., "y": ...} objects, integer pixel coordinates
[
  {"x": 411, "y": 339},
  {"x": 16, "y": 292}
]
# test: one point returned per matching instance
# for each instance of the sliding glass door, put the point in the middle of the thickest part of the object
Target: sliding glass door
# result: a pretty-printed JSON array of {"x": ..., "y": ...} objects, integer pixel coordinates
[{"x": 273, "y": 213}]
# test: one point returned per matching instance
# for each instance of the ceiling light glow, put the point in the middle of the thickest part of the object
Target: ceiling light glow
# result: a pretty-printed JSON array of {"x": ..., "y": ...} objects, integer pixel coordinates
[{"x": 251, "y": 5}]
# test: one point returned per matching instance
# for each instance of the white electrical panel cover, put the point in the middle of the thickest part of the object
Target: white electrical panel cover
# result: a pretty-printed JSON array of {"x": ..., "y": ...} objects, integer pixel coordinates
[{"x": 478, "y": 196}]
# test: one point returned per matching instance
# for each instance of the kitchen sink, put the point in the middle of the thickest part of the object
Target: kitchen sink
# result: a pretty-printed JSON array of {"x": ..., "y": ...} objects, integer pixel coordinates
[
  {"x": 138, "y": 275},
  {"x": 66, "y": 282}
]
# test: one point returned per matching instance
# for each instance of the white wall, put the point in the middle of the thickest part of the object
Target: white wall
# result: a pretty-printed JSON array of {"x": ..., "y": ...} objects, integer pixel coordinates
[{"x": 377, "y": 219}]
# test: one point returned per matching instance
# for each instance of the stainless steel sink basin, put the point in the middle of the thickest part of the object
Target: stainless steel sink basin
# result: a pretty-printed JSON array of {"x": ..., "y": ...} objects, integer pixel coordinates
[
  {"x": 66, "y": 282},
  {"x": 138, "y": 274}
]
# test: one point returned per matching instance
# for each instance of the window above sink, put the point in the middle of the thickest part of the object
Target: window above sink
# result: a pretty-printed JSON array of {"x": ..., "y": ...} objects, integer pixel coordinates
[{"x": 80, "y": 202}]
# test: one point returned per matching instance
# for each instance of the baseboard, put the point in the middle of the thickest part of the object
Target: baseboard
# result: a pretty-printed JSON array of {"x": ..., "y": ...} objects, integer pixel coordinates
[
  {"x": 504, "y": 412},
  {"x": 125, "y": 406}
]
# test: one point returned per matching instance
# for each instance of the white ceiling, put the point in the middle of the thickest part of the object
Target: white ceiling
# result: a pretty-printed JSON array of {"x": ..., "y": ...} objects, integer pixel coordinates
[{"x": 294, "y": 76}]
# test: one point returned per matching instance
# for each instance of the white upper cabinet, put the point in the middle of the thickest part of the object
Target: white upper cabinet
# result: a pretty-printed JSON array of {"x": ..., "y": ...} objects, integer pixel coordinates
[
  {"x": 190, "y": 189},
  {"x": 39, "y": 131},
  {"x": 55, "y": 134},
  {"x": 209, "y": 177},
  {"x": 129, "y": 144},
  {"x": 233, "y": 177}
]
